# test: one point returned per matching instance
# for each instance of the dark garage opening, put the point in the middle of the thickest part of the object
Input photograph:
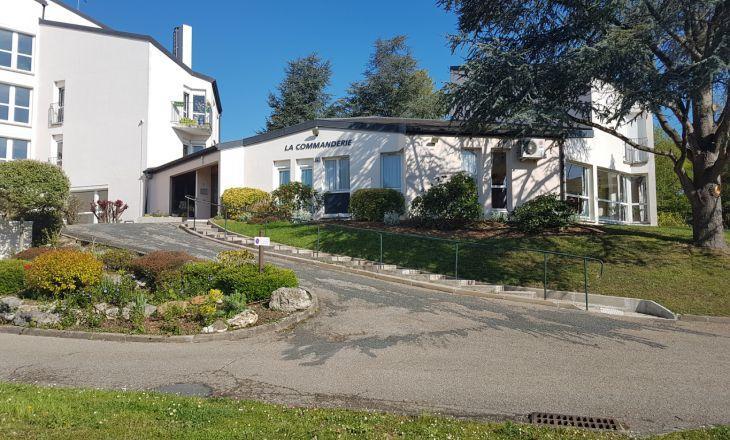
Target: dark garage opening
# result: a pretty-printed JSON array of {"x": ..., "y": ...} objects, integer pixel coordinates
[{"x": 181, "y": 186}]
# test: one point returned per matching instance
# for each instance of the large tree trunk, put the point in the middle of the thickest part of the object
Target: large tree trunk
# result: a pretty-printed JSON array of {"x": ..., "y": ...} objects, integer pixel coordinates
[{"x": 707, "y": 222}]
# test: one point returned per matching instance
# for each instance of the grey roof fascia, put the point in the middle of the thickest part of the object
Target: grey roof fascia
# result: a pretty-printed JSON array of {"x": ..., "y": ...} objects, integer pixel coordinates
[
  {"x": 181, "y": 160},
  {"x": 141, "y": 37}
]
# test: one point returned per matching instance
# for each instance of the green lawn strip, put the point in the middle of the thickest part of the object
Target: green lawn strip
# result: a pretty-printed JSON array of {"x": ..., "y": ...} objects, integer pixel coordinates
[
  {"x": 651, "y": 263},
  {"x": 29, "y": 411}
]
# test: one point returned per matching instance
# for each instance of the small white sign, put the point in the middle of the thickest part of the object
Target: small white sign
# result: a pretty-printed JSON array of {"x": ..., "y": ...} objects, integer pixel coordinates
[{"x": 262, "y": 241}]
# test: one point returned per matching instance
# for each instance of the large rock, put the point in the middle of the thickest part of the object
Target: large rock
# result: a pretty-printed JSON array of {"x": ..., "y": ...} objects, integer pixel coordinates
[
  {"x": 9, "y": 304},
  {"x": 36, "y": 317},
  {"x": 243, "y": 319},
  {"x": 101, "y": 308},
  {"x": 290, "y": 299},
  {"x": 6, "y": 317},
  {"x": 149, "y": 310},
  {"x": 219, "y": 326}
]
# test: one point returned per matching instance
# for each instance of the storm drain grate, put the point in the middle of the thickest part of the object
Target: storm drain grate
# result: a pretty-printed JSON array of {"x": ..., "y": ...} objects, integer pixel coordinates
[{"x": 548, "y": 419}]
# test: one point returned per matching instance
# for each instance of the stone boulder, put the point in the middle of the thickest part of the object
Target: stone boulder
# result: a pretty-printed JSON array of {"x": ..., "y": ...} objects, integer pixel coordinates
[
  {"x": 36, "y": 317},
  {"x": 9, "y": 304},
  {"x": 219, "y": 326},
  {"x": 149, "y": 310},
  {"x": 243, "y": 319},
  {"x": 6, "y": 317},
  {"x": 290, "y": 299}
]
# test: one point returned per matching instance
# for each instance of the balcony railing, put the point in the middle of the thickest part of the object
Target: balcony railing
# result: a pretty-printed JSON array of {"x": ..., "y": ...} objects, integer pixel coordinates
[
  {"x": 56, "y": 160},
  {"x": 199, "y": 122},
  {"x": 634, "y": 156},
  {"x": 55, "y": 115}
]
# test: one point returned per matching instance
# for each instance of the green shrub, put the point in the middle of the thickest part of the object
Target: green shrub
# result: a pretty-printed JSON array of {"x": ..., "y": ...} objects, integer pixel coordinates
[
  {"x": 31, "y": 254},
  {"x": 543, "y": 212},
  {"x": 119, "y": 292},
  {"x": 62, "y": 271},
  {"x": 37, "y": 191},
  {"x": 149, "y": 267},
  {"x": 256, "y": 286},
  {"x": 12, "y": 276},
  {"x": 117, "y": 259},
  {"x": 234, "y": 304},
  {"x": 672, "y": 219},
  {"x": 192, "y": 279},
  {"x": 241, "y": 201},
  {"x": 449, "y": 204},
  {"x": 235, "y": 257},
  {"x": 294, "y": 196},
  {"x": 372, "y": 204}
]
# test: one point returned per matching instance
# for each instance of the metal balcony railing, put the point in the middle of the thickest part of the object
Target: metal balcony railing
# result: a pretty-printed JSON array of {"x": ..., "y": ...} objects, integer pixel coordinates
[
  {"x": 634, "y": 156},
  {"x": 55, "y": 160},
  {"x": 55, "y": 115},
  {"x": 193, "y": 120}
]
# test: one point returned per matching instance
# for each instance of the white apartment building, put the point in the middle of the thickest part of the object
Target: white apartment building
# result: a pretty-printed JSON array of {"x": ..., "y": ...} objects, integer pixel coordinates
[{"x": 102, "y": 104}]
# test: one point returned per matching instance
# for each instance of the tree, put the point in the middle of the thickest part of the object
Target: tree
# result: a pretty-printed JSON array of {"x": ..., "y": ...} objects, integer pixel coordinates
[
  {"x": 534, "y": 61},
  {"x": 393, "y": 86},
  {"x": 302, "y": 95}
]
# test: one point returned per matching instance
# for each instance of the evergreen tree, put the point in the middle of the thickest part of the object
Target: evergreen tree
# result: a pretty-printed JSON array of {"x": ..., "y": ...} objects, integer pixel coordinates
[{"x": 302, "y": 95}]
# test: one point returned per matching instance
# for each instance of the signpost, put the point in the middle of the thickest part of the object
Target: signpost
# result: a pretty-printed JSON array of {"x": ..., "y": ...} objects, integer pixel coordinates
[{"x": 261, "y": 242}]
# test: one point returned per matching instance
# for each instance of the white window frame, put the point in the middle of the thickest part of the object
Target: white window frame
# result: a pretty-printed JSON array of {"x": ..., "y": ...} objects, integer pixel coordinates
[
  {"x": 96, "y": 191},
  {"x": 10, "y": 148},
  {"x": 338, "y": 179},
  {"x": 587, "y": 188},
  {"x": 399, "y": 155},
  {"x": 624, "y": 203},
  {"x": 305, "y": 165},
  {"x": 193, "y": 114},
  {"x": 641, "y": 205},
  {"x": 11, "y": 105},
  {"x": 475, "y": 154},
  {"x": 14, "y": 51}
]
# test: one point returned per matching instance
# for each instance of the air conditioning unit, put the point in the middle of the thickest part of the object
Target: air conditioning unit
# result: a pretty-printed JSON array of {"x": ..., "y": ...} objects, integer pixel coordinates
[{"x": 531, "y": 149}]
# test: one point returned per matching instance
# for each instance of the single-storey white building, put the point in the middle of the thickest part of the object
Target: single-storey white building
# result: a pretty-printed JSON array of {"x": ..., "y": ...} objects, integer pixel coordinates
[{"x": 611, "y": 182}]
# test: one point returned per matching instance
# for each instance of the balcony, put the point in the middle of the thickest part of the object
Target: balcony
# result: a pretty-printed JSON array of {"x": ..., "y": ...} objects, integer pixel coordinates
[
  {"x": 191, "y": 122},
  {"x": 55, "y": 115},
  {"x": 56, "y": 160},
  {"x": 633, "y": 156}
]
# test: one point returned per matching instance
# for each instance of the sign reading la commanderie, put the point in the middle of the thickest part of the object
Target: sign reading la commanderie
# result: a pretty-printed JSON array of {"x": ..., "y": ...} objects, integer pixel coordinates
[{"x": 315, "y": 145}]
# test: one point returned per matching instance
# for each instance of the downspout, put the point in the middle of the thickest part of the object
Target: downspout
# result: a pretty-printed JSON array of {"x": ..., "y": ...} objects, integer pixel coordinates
[{"x": 561, "y": 157}]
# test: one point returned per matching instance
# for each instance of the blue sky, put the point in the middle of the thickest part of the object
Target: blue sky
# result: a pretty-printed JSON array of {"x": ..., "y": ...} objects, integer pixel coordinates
[{"x": 246, "y": 44}]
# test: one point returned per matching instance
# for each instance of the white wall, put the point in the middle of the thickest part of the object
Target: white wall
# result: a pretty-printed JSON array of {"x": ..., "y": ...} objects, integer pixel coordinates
[
  {"x": 158, "y": 191},
  {"x": 14, "y": 237}
]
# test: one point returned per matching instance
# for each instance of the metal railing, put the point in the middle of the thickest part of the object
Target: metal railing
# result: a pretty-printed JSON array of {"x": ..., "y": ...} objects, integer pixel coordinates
[
  {"x": 634, "y": 156},
  {"x": 55, "y": 115},
  {"x": 55, "y": 160},
  {"x": 222, "y": 209},
  {"x": 460, "y": 249},
  {"x": 182, "y": 118}
]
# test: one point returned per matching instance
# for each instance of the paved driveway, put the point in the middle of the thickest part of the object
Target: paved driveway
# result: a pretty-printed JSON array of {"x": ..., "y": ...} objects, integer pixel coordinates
[{"x": 387, "y": 346}]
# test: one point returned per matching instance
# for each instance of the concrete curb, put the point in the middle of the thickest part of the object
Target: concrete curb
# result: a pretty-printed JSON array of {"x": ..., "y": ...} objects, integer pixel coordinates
[
  {"x": 704, "y": 318},
  {"x": 234, "y": 335}
]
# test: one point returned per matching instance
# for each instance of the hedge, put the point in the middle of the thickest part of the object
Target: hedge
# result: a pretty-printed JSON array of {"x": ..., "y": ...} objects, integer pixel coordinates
[
  {"x": 543, "y": 212},
  {"x": 257, "y": 286},
  {"x": 449, "y": 204},
  {"x": 241, "y": 201},
  {"x": 12, "y": 276},
  {"x": 372, "y": 204}
]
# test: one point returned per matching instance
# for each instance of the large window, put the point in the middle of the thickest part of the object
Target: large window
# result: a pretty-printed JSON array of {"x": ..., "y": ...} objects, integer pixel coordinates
[
  {"x": 337, "y": 174},
  {"x": 16, "y": 50},
  {"x": 639, "y": 205},
  {"x": 284, "y": 176},
  {"x": 85, "y": 199},
  {"x": 577, "y": 188},
  {"x": 13, "y": 149},
  {"x": 390, "y": 170},
  {"x": 499, "y": 180},
  {"x": 199, "y": 109},
  {"x": 307, "y": 177},
  {"x": 14, "y": 103},
  {"x": 469, "y": 162},
  {"x": 622, "y": 198}
]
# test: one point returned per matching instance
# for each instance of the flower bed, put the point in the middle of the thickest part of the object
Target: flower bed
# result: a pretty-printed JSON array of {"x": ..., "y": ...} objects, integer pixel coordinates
[{"x": 163, "y": 292}]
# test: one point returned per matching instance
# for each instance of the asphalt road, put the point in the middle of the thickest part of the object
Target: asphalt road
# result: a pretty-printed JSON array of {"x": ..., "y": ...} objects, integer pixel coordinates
[{"x": 392, "y": 347}]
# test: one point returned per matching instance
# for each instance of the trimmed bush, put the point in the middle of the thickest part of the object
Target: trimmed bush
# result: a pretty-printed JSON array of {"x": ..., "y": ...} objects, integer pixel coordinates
[
  {"x": 235, "y": 257},
  {"x": 450, "y": 204},
  {"x": 256, "y": 286},
  {"x": 150, "y": 266},
  {"x": 12, "y": 276},
  {"x": 543, "y": 212},
  {"x": 371, "y": 204},
  {"x": 117, "y": 259},
  {"x": 63, "y": 271},
  {"x": 293, "y": 197},
  {"x": 242, "y": 201},
  {"x": 31, "y": 254},
  {"x": 190, "y": 280}
]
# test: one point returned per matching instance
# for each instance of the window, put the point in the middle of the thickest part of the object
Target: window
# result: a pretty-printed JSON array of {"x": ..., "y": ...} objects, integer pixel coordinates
[
  {"x": 499, "y": 180},
  {"x": 186, "y": 105},
  {"x": 19, "y": 111},
  {"x": 639, "y": 205},
  {"x": 284, "y": 176},
  {"x": 469, "y": 162},
  {"x": 16, "y": 50},
  {"x": 337, "y": 174},
  {"x": 577, "y": 188},
  {"x": 390, "y": 171},
  {"x": 13, "y": 149},
  {"x": 307, "y": 177},
  {"x": 61, "y": 102},
  {"x": 612, "y": 198},
  {"x": 190, "y": 149},
  {"x": 86, "y": 198},
  {"x": 199, "y": 113}
]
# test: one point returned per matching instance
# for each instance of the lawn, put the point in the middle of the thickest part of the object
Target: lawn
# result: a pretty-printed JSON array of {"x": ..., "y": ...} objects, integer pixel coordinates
[
  {"x": 644, "y": 262},
  {"x": 48, "y": 413}
]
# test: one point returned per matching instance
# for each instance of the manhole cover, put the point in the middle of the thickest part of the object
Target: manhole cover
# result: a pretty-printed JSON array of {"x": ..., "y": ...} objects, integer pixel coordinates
[
  {"x": 186, "y": 389},
  {"x": 548, "y": 419}
]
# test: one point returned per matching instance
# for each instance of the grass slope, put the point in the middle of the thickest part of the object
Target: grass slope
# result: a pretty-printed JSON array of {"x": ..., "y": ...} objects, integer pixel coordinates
[
  {"x": 51, "y": 413},
  {"x": 651, "y": 263}
]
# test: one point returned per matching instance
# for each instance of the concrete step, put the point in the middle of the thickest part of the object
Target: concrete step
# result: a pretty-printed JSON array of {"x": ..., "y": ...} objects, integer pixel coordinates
[
  {"x": 521, "y": 293},
  {"x": 297, "y": 251},
  {"x": 429, "y": 277},
  {"x": 459, "y": 283},
  {"x": 377, "y": 267},
  {"x": 489, "y": 288},
  {"x": 408, "y": 272},
  {"x": 279, "y": 247}
]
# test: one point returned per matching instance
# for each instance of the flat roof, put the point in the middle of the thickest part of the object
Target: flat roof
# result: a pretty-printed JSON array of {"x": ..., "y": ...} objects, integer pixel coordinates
[{"x": 140, "y": 37}]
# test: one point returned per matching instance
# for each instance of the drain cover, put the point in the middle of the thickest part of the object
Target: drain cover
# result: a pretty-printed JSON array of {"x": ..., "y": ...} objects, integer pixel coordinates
[{"x": 602, "y": 423}]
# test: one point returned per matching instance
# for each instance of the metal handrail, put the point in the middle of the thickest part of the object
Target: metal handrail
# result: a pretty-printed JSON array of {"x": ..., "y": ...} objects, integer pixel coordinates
[
  {"x": 458, "y": 245},
  {"x": 195, "y": 212}
]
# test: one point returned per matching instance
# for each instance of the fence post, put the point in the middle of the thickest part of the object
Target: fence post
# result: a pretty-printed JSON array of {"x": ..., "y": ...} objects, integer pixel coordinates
[
  {"x": 187, "y": 210},
  {"x": 225, "y": 223},
  {"x": 261, "y": 255},
  {"x": 544, "y": 275},
  {"x": 456, "y": 262},
  {"x": 380, "y": 234},
  {"x": 195, "y": 215},
  {"x": 585, "y": 279},
  {"x": 318, "y": 227}
]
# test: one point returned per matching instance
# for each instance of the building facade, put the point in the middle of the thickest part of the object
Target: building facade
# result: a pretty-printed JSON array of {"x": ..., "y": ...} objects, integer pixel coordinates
[
  {"x": 102, "y": 104},
  {"x": 608, "y": 181}
]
